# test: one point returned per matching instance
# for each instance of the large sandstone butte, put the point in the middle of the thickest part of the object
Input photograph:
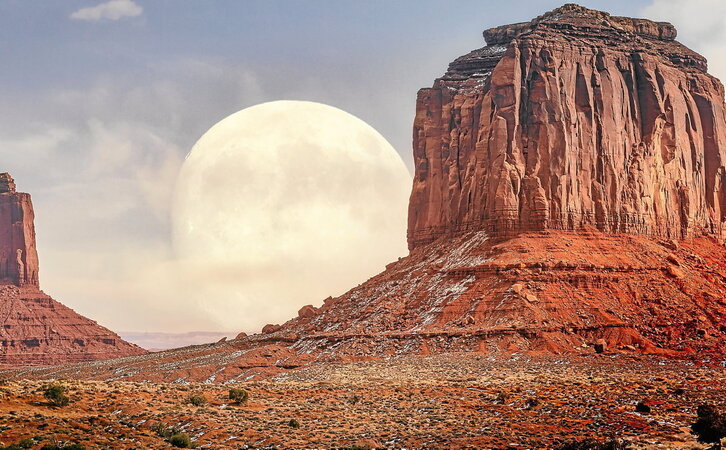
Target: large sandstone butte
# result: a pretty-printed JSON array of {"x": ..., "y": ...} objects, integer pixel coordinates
[
  {"x": 574, "y": 119},
  {"x": 568, "y": 199},
  {"x": 34, "y": 328}
]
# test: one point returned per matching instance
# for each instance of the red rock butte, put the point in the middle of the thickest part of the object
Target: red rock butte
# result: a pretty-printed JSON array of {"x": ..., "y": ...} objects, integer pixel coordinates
[
  {"x": 575, "y": 119},
  {"x": 34, "y": 328}
]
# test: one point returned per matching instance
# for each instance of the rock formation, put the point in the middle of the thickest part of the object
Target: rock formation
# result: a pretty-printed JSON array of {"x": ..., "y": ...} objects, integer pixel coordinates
[
  {"x": 34, "y": 328},
  {"x": 569, "y": 198},
  {"x": 574, "y": 119},
  {"x": 18, "y": 256}
]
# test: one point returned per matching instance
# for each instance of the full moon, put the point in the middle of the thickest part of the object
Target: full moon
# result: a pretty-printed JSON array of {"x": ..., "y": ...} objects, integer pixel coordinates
[{"x": 284, "y": 204}]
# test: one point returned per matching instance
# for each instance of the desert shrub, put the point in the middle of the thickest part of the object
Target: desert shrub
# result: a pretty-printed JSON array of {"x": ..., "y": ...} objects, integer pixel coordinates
[
  {"x": 63, "y": 446},
  {"x": 642, "y": 408},
  {"x": 181, "y": 440},
  {"x": 56, "y": 394},
  {"x": 197, "y": 400},
  {"x": 592, "y": 444},
  {"x": 27, "y": 443},
  {"x": 711, "y": 424},
  {"x": 163, "y": 431},
  {"x": 293, "y": 423},
  {"x": 22, "y": 445},
  {"x": 238, "y": 395}
]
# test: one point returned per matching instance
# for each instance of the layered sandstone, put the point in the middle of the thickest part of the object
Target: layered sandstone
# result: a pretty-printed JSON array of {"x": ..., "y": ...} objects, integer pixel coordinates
[
  {"x": 576, "y": 118},
  {"x": 34, "y": 328},
  {"x": 561, "y": 292},
  {"x": 18, "y": 256}
]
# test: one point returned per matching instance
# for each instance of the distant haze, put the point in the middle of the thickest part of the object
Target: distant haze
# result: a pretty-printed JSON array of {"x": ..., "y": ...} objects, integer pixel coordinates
[
  {"x": 164, "y": 341},
  {"x": 102, "y": 100}
]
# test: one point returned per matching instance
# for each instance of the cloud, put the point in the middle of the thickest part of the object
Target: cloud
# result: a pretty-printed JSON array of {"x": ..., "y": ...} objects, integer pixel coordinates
[
  {"x": 111, "y": 10},
  {"x": 110, "y": 153},
  {"x": 701, "y": 25}
]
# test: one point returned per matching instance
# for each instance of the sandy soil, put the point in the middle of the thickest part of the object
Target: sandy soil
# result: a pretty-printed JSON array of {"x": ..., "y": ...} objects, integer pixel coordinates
[{"x": 444, "y": 401}]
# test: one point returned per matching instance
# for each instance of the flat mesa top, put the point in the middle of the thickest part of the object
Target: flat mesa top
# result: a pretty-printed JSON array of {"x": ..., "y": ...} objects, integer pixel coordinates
[
  {"x": 571, "y": 17},
  {"x": 7, "y": 184}
]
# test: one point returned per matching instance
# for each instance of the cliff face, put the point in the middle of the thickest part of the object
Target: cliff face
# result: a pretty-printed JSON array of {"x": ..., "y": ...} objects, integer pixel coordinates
[
  {"x": 575, "y": 119},
  {"x": 34, "y": 328},
  {"x": 18, "y": 256}
]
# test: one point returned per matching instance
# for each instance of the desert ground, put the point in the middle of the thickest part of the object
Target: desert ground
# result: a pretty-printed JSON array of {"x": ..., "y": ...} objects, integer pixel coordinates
[{"x": 443, "y": 401}]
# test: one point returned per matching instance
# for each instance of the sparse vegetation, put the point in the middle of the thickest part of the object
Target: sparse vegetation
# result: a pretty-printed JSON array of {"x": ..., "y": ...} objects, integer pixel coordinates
[
  {"x": 181, "y": 440},
  {"x": 63, "y": 446},
  {"x": 56, "y": 394},
  {"x": 24, "y": 444},
  {"x": 238, "y": 396},
  {"x": 173, "y": 436},
  {"x": 293, "y": 423},
  {"x": 197, "y": 400},
  {"x": 711, "y": 424},
  {"x": 642, "y": 408},
  {"x": 592, "y": 444}
]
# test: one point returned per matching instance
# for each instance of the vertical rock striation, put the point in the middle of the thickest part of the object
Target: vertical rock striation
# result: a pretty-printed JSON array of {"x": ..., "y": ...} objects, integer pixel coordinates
[
  {"x": 574, "y": 119},
  {"x": 34, "y": 328},
  {"x": 18, "y": 256}
]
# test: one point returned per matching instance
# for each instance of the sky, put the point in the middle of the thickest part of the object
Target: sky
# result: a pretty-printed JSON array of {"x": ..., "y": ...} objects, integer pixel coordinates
[{"x": 101, "y": 101}]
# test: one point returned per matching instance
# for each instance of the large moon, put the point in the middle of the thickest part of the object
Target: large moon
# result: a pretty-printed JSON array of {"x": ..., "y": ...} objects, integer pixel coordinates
[{"x": 283, "y": 204}]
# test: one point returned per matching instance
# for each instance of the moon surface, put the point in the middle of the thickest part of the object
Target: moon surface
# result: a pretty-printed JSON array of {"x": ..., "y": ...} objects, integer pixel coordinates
[{"x": 283, "y": 204}]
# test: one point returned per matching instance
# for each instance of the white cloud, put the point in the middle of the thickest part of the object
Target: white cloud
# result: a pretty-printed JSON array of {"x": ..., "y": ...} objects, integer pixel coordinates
[
  {"x": 701, "y": 25},
  {"x": 110, "y": 152},
  {"x": 111, "y": 10}
]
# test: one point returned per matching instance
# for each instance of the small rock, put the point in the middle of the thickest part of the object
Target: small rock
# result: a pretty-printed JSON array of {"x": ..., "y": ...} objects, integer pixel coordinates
[
  {"x": 307, "y": 312},
  {"x": 674, "y": 272},
  {"x": 270, "y": 328},
  {"x": 600, "y": 346}
]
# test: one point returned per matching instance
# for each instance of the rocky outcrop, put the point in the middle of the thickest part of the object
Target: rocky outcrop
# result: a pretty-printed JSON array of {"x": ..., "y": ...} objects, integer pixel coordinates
[
  {"x": 574, "y": 119},
  {"x": 18, "y": 256},
  {"x": 34, "y": 328},
  {"x": 560, "y": 292}
]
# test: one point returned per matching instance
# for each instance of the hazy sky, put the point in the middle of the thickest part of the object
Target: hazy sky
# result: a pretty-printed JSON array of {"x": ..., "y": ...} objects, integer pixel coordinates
[{"x": 101, "y": 102}]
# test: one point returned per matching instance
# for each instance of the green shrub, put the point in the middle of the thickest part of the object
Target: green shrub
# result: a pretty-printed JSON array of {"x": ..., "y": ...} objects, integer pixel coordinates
[
  {"x": 181, "y": 440},
  {"x": 293, "y": 423},
  {"x": 22, "y": 445},
  {"x": 238, "y": 395},
  {"x": 592, "y": 444},
  {"x": 163, "y": 431},
  {"x": 63, "y": 446},
  {"x": 711, "y": 424},
  {"x": 56, "y": 394},
  {"x": 197, "y": 400}
]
